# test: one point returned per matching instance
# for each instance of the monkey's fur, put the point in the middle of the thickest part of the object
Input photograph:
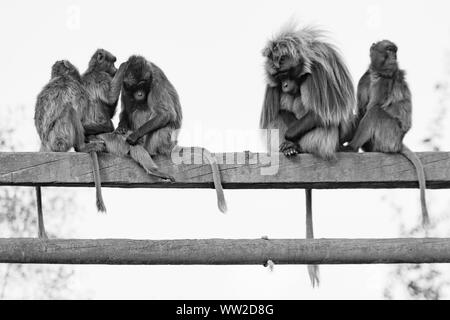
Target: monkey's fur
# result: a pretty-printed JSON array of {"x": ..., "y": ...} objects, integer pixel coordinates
[
  {"x": 319, "y": 116},
  {"x": 290, "y": 99},
  {"x": 58, "y": 121},
  {"x": 326, "y": 88},
  {"x": 384, "y": 111},
  {"x": 58, "y": 107},
  {"x": 151, "y": 110},
  {"x": 103, "y": 84}
]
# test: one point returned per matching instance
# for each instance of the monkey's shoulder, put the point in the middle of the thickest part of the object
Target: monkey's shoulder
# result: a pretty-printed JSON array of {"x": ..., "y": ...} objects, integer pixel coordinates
[
  {"x": 96, "y": 79},
  {"x": 96, "y": 84},
  {"x": 62, "y": 86},
  {"x": 364, "y": 81}
]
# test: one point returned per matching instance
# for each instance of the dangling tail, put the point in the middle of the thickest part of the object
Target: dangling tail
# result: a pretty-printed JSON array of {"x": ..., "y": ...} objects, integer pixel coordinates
[
  {"x": 313, "y": 270},
  {"x": 98, "y": 184},
  {"x": 221, "y": 203},
  {"x": 412, "y": 157},
  {"x": 42, "y": 234}
]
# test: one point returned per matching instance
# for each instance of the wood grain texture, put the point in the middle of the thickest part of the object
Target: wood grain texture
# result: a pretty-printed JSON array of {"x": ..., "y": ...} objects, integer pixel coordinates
[
  {"x": 225, "y": 252},
  {"x": 238, "y": 170}
]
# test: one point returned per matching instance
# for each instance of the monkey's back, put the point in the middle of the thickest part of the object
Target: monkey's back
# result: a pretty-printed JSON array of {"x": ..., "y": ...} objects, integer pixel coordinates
[
  {"x": 394, "y": 111},
  {"x": 97, "y": 84},
  {"x": 53, "y": 102},
  {"x": 173, "y": 105},
  {"x": 387, "y": 135}
]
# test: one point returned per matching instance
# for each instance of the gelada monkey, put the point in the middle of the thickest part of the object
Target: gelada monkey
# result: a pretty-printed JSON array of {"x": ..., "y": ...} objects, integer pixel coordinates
[
  {"x": 384, "y": 107},
  {"x": 58, "y": 123},
  {"x": 320, "y": 115},
  {"x": 103, "y": 84},
  {"x": 151, "y": 111}
]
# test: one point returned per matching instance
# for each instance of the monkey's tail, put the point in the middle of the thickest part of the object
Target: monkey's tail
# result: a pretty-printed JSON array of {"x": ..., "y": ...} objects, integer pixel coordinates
[
  {"x": 313, "y": 270},
  {"x": 98, "y": 184},
  {"x": 41, "y": 226},
  {"x": 411, "y": 156},
  {"x": 221, "y": 202}
]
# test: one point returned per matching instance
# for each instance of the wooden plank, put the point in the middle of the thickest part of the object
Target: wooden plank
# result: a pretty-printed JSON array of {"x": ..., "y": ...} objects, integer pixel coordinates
[
  {"x": 238, "y": 170},
  {"x": 225, "y": 252}
]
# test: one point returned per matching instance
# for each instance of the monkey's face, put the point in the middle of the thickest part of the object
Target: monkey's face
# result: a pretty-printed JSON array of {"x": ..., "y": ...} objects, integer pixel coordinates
[
  {"x": 137, "y": 79},
  {"x": 103, "y": 61},
  {"x": 383, "y": 56},
  {"x": 280, "y": 63},
  {"x": 289, "y": 86},
  {"x": 281, "y": 56},
  {"x": 65, "y": 68}
]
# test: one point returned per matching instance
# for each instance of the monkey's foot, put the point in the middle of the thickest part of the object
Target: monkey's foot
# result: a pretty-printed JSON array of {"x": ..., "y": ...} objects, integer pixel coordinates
[
  {"x": 164, "y": 176},
  {"x": 289, "y": 148},
  {"x": 168, "y": 179}
]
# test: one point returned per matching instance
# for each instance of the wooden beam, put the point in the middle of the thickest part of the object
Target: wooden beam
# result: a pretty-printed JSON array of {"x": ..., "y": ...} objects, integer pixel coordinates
[
  {"x": 238, "y": 170},
  {"x": 225, "y": 252}
]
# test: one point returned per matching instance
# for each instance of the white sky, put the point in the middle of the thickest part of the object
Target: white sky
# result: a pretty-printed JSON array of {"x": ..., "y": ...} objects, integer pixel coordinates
[{"x": 211, "y": 51}]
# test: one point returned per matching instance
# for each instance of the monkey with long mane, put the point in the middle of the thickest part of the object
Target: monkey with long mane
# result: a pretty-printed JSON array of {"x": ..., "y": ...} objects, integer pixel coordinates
[{"x": 319, "y": 118}]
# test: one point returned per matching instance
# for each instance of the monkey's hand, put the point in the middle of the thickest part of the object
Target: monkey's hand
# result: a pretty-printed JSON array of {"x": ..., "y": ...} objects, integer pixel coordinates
[
  {"x": 121, "y": 131},
  {"x": 123, "y": 66},
  {"x": 289, "y": 148},
  {"x": 133, "y": 140}
]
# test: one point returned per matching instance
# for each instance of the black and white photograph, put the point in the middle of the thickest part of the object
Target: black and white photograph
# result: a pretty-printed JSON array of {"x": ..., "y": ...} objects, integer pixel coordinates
[{"x": 225, "y": 155}]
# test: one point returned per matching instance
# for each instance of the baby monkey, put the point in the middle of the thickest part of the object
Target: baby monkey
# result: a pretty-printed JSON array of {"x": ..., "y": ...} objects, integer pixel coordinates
[
  {"x": 291, "y": 99},
  {"x": 292, "y": 109},
  {"x": 384, "y": 107}
]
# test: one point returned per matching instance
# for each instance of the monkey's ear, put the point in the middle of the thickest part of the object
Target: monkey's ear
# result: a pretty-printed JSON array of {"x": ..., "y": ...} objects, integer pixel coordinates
[
  {"x": 100, "y": 57},
  {"x": 66, "y": 64}
]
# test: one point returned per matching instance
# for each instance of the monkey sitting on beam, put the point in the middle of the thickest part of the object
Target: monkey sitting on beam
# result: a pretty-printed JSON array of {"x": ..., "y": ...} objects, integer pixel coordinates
[
  {"x": 58, "y": 122},
  {"x": 151, "y": 115},
  {"x": 103, "y": 83},
  {"x": 313, "y": 108},
  {"x": 384, "y": 107}
]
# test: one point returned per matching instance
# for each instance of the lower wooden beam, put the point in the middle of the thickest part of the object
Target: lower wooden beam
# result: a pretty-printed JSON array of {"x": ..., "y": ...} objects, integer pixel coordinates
[{"x": 225, "y": 252}]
